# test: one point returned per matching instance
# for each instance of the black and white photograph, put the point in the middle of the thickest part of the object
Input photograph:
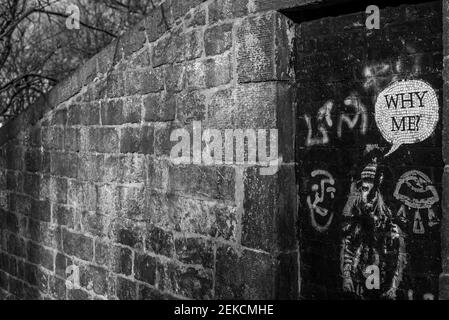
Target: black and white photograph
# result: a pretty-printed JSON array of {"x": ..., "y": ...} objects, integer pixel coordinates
[{"x": 243, "y": 151}]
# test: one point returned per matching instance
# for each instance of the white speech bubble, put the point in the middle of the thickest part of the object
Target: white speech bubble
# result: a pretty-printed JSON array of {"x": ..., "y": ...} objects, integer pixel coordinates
[{"x": 407, "y": 112}]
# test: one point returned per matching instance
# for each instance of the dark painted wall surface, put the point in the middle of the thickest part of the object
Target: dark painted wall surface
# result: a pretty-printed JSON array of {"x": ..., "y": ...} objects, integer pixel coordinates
[{"x": 341, "y": 67}]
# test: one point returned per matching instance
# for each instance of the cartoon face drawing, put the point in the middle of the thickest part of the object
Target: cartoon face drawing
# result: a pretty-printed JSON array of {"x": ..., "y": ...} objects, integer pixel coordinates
[{"x": 319, "y": 202}]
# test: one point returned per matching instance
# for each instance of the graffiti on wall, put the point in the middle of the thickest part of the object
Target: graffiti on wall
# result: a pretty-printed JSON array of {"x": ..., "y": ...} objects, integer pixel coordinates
[
  {"x": 373, "y": 252},
  {"x": 407, "y": 112},
  {"x": 418, "y": 195},
  {"x": 356, "y": 117},
  {"x": 320, "y": 204},
  {"x": 374, "y": 255}
]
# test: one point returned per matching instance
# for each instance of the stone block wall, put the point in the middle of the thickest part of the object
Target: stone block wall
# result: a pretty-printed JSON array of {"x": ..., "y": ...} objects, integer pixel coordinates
[{"x": 86, "y": 181}]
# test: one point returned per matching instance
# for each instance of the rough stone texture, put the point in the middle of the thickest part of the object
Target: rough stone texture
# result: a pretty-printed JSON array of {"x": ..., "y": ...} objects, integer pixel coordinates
[{"x": 85, "y": 179}]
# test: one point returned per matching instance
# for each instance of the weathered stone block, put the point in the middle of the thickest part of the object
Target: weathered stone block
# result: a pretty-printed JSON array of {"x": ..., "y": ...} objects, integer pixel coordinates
[
  {"x": 33, "y": 158},
  {"x": 107, "y": 199},
  {"x": 72, "y": 139},
  {"x": 53, "y": 138},
  {"x": 255, "y": 49},
  {"x": 227, "y": 9},
  {"x": 130, "y": 140},
  {"x": 248, "y": 106},
  {"x": 133, "y": 40},
  {"x": 94, "y": 223},
  {"x": 243, "y": 275},
  {"x": 61, "y": 264},
  {"x": 57, "y": 288},
  {"x": 147, "y": 140},
  {"x": 121, "y": 260},
  {"x": 91, "y": 167},
  {"x": 162, "y": 144},
  {"x": 40, "y": 210},
  {"x": 16, "y": 246},
  {"x": 144, "y": 82},
  {"x": 117, "y": 112},
  {"x": 40, "y": 255},
  {"x": 196, "y": 18},
  {"x": 133, "y": 168},
  {"x": 195, "y": 251},
  {"x": 128, "y": 234},
  {"x": 188, "y": 282},
  {"x": 211, "y": 182},
  {"x": 209, "y": 73},
  {"x": 63, "y": 215},
  {"x": 148, "y": 293},
  {"x": 59, "y": 117},
  {"x": 159, "y": 241},
  {"x": 191, "y": 107},
  {"x": 94, "y": 278},
  {"x": 155, "y": 24},
  {"x": 58, "y": 190},
  {"x": 132, "y": 202},
  {"x": 111, "y": 168},
  {"x": 181, "y": 7},
  {"x": 174, "y": 76},
  {"x": 193, "y": 45},
  {"x": 126, "y": 289},
  {"x": 104, "y": 140},
  {"x": 78, "y": 245},
  {"x": 260, "y": 208},
  {"x": 159, "y": 107},
  {"x": 145, "y": 268},
  {"x": 77, "y": 294},
  {"x": 218, "y": 39}
]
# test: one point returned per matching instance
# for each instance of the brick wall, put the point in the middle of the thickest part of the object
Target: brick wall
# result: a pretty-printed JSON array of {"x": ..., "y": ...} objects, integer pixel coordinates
[{"x": 86, "y": 179}]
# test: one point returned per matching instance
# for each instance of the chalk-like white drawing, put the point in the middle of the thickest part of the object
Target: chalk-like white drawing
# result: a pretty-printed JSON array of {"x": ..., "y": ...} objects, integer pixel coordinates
[
  {"x": 359, "y": 114},
  {"x": 416, "y": 190},
  {"x": 324, "y": 191},
  {"x": 323, "y": 118},
  {"x": 418, "y": 226}
]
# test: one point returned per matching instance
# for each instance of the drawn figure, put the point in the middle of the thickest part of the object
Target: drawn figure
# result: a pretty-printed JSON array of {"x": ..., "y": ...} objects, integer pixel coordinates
[
  {"x": 415, "y": 190},
  {"x": 371, "y": 240},
  {"x": 321, "y": 217},
  {"x": 359, "y": 114},
  {"x": 323, "y": 118}
]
